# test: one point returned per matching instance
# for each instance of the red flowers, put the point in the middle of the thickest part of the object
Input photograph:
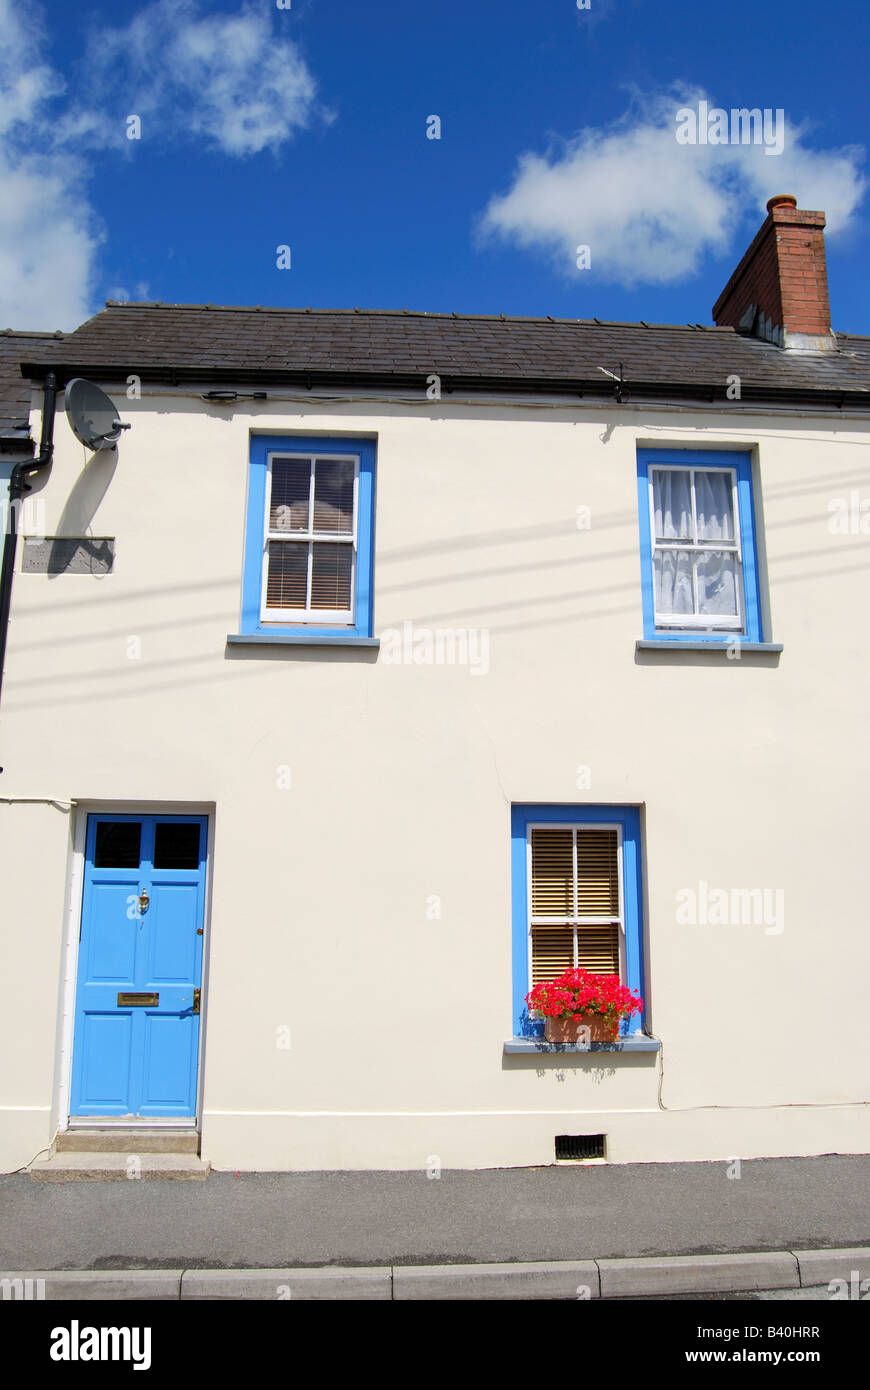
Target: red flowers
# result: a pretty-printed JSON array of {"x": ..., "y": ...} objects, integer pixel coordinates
[{"x": 582, "y": 992}]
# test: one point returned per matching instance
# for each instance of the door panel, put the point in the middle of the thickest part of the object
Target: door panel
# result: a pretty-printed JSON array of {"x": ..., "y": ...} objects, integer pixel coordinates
[
  {"x": 105, "y": 1043},
  {"x": 111, "y": 941},
  {"x": 169, "y": 1050},
  {"x": 141, "y": 934},
  {"x": 172, "y": 949}
]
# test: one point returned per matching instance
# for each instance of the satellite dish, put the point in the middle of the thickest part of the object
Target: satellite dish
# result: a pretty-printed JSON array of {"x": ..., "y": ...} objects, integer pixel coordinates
[{"x": 93, "y": 418}]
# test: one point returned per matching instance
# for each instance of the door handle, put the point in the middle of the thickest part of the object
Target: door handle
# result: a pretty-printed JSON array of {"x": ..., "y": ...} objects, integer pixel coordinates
[{"x": 195, "y": 1009}]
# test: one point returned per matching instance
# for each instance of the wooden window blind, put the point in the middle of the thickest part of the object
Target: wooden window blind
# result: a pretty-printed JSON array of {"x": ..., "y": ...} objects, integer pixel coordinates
[
  {"x": 575, "y": 900},
  {"x": 310, "y": 540}
]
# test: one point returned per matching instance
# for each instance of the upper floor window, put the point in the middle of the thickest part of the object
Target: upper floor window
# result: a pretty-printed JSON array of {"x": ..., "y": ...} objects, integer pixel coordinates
[
  {"x": 308, "y": 552},
  {"x": 700, "y": 572}
]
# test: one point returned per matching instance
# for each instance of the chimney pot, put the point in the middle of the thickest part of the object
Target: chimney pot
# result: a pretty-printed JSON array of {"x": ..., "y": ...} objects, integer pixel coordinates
[{"x": 779, "y": 198}]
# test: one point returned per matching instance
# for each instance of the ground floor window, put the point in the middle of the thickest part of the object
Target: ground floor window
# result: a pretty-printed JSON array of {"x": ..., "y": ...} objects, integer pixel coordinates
[{"x": 576, "y": 888}]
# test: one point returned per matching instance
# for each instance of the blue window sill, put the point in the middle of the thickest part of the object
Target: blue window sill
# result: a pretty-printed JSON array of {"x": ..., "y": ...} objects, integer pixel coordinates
[
  {"x": 300, "y": 639},
  {"x": 708, "y": 644},
  {"x": 632, "y": 1042}
]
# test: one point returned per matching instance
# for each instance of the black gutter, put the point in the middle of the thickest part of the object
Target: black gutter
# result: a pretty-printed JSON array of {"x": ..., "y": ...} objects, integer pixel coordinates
[
  {"x": 17, "y": 489},
  {"x": 597, "y": 389}
]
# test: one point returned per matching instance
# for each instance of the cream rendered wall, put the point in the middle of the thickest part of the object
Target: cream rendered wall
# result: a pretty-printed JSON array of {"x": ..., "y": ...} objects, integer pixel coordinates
[
  {"x": 34, "y": 861},
  {"x": 752, "y": 773}
]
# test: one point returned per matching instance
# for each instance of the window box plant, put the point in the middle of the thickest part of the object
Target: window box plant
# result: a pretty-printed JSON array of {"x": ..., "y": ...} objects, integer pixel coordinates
[{"x": 581, "y": 1000}]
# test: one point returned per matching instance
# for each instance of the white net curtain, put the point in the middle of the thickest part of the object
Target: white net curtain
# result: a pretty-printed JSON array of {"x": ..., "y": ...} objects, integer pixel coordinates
[{"x": 696, "y": 561}]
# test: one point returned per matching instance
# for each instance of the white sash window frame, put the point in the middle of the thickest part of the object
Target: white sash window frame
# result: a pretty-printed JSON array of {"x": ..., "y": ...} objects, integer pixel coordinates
[
  {"x": 699, "y": 622},
  {"x": 310, "y": 536}
]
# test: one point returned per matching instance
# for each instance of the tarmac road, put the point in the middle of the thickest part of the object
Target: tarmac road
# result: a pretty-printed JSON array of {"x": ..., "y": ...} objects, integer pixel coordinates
[{"x": 277, "y": 1220}]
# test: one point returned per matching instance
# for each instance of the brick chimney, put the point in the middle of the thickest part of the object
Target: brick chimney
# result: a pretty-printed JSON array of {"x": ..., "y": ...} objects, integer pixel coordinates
[{"x": 779, "y": 291}]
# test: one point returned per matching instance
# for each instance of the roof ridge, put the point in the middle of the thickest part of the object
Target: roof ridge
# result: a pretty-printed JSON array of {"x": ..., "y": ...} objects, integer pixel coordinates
[
  {"x": 373, "y": 313},
  {"x": 430, "y": 314},
  {"x": 33, "y": 333}
]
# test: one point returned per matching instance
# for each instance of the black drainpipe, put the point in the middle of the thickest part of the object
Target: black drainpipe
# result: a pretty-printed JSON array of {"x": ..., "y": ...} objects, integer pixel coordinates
[{"x": 17, "y": 489}]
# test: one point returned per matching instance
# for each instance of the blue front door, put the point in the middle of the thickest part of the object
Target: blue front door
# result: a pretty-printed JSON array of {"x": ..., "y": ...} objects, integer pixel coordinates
[{"x": 140, "y": 967}]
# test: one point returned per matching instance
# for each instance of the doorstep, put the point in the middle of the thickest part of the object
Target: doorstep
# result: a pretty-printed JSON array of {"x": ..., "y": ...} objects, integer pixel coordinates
[
  {"x": 127, "y": 1140},
  {"x": 113, "y": 1154},
  {"x": 116, "y": 1167}
]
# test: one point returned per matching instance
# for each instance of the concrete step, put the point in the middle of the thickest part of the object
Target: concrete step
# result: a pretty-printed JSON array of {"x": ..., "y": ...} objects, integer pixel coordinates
[
  {"x": 127, "y": 1140},
  {"x": 135, "y": 1163}
]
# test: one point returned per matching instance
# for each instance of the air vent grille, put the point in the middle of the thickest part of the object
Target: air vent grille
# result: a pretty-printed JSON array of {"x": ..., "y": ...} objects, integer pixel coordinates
[{"x": 580, "y": 1146}]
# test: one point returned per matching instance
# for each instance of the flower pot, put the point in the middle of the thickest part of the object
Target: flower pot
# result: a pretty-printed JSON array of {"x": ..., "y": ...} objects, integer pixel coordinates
[{"x": 567, "y": 1030}]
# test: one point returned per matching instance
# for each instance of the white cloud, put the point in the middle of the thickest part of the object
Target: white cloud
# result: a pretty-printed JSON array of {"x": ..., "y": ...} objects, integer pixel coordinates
[
  {"x": 48, "y": 238},
  {"x": 25, "y": 81},
  {"x": 232, "y": 80},
  {"x": 123, "y": 295},
  {"x": 651, "y": 209},
  {"x": 48, "y": 242}
]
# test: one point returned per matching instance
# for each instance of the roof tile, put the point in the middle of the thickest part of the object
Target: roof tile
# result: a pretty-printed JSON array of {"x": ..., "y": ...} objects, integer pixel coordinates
[{"x": 198, "y": 339}]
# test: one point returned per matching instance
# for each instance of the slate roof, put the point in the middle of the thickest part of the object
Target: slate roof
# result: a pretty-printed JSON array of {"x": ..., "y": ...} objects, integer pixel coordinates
[
  {"x": 15, "y": 390},
  {"x": 322, "y": 347}
]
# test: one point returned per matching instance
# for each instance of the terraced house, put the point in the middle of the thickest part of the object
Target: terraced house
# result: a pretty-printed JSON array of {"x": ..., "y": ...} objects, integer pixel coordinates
[{"x": 394, "y": 661}]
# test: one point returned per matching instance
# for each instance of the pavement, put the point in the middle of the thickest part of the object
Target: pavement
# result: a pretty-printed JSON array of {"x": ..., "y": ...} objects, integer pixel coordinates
[
  {"x": 771, "y": 1275},
  {"x": 380, "y": 1220}
]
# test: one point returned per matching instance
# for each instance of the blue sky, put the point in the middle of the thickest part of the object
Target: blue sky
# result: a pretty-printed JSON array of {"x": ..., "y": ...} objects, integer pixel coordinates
[{"x": 307, "y": 127}]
